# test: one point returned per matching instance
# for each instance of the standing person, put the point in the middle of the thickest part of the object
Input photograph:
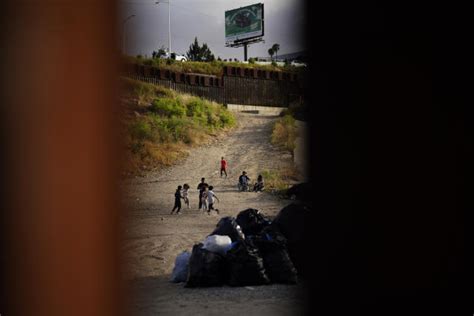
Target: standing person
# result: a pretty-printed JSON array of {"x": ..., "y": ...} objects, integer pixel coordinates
[
  {"x": 204, "y": 199},
  {"x": 211, "y": 197},
  {"x": 185, "y": 194},
  {"x": 259, "y": 185},
  {"x": 201, "y": 186},
  {"x": 177, "y": 200},
  {"x": 223, "y": 166}
]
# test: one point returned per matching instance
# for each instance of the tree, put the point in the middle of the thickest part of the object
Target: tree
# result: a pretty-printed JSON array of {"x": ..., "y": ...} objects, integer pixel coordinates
[
  {"x": 276, "y": 48},
  {"x": 206, "y": 53},
  {"x": 160, "y": 53},
  {"x": 271, "y": 52},
  {"x": 198, "y": 53}
]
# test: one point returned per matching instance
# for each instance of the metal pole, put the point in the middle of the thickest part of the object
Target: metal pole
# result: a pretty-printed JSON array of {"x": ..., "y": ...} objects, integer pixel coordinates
[
  {"x": 123, "y": 30},
  {"x": 169, "y": 24},
  {"x": 245, "y": 52},
  {"x": 169, "y": 27}
]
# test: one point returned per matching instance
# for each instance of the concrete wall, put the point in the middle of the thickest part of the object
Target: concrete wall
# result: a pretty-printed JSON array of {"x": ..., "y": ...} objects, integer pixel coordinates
[{"x": 262, "y": 110}]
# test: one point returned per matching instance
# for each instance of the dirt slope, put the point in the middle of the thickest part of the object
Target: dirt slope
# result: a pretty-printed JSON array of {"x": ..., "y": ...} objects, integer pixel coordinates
[{"x": 153, "y": 237}]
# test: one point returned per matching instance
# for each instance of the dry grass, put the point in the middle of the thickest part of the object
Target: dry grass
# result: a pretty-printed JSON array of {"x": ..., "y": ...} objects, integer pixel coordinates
[
  {"x": 167, "y": 127},
  {"x": 279, "y": 180},
  {"x": 284, "y": 133},
  {"x": 143, "y": 93}
]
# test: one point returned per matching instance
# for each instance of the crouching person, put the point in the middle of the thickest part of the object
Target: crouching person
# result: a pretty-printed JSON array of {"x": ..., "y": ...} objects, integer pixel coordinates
[{"x": 259, "y": 185}]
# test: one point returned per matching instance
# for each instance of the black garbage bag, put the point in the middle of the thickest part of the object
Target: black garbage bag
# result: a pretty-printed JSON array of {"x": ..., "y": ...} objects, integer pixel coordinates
[
  {"x": 245, "y": 266},
  {"x": 227, "y": 226},
  {"x": 277, "y": 261},
  {"x": 205, "y": 268},
  {"x": 294, "y": 222},
  {"x": 273, "y": 233},
  {"x": 300, "y": 192},
  {"x": 251, "y": 221}
]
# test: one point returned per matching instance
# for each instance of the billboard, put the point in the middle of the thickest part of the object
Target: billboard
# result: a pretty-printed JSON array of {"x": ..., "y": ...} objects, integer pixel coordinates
[{"x": 244, "y": 23}]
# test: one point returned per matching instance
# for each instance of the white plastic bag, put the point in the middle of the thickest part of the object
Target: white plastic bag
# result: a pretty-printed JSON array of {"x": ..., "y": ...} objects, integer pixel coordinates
[
  {"x": 217, "y": 243},
  {"x": 180, "y": 271}
]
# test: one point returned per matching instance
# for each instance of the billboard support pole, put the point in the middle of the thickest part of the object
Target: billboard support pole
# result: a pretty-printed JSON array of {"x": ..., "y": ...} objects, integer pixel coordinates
[{"x": 245, "y": 43}]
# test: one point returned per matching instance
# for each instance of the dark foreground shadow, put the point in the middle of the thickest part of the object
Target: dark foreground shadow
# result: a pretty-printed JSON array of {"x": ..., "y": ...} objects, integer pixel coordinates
[{"x": 158, "y": 296}]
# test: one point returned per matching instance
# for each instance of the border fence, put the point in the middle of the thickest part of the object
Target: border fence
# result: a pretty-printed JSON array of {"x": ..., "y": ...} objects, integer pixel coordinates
[{"x": 237, "y": 85}]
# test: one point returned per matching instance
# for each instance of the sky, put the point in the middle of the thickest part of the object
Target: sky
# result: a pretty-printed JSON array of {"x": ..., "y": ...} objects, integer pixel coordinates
[{"x": 148, "y": 30}]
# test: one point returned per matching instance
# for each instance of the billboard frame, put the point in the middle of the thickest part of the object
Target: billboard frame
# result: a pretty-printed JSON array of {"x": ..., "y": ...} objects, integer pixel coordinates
[
  {"x": 241, "y": 41},
  {"x": 248, "y": 40}
]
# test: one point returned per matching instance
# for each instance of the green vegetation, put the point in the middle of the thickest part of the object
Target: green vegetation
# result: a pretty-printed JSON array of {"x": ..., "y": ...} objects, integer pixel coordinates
[
  {"x": 274, "y": 50},
  {"x": 143, "y": 93},
  {"x": 160, "y": 53},
  {"x": 168, "y": 125},
  {"x": 284, "y": 133},
  {"x": 279, "y": 180},
  {"x": 199, "y": 53},
  {"x": 209, "y": 68}
]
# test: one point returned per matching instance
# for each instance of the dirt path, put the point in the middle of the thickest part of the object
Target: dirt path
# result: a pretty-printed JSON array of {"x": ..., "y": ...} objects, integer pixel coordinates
[{"x": 154, "y": 238}]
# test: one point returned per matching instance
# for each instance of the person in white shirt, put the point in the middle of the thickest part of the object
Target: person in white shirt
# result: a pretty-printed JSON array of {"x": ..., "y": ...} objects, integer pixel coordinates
[
  {"x": 185, "y": 194},
  {"x": 204, "y": 199},
  {"x": 211, "y": 197}
]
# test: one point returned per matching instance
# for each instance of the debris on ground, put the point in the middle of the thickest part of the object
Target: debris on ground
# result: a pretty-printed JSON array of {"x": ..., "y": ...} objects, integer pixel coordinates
[{"x": 249, "y": 250}]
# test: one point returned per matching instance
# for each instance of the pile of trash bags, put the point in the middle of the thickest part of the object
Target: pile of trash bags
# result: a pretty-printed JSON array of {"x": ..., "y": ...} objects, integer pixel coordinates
[{"x": 246, "y": 250}]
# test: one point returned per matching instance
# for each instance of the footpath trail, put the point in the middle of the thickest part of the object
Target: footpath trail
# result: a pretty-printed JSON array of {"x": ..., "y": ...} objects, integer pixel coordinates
[{"x": 153, "y": 238}]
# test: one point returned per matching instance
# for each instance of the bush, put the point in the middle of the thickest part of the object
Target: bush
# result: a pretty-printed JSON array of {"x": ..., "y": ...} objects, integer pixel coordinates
[
  {"x": 273, "y": 180},
  {"x": 140, "y": 131},
  {"x": 227, "y": 118},
  {"x": 145, "y": 93},
  {"x": 169, "y": 107},
  {"x": 284, "y": 133},
  {"x": 196, "y": 108}
]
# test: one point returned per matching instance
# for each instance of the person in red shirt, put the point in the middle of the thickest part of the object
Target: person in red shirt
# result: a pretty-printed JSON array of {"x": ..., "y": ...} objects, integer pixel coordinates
[{"x": 223, "y": 167}]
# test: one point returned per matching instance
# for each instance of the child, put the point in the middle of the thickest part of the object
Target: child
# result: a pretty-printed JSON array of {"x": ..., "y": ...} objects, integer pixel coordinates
[
  {"x": 204, "y": 199},
  {"x": 201, "y": 187},
  {"x": 185, "y": 194},
  {"x": 223, "y": 167},
  {"x": 259, "y": 185},
  {"x": 210, "y": 199},
  {"x": 244, "y": 182},
  {"x": 177, "y": 200}
]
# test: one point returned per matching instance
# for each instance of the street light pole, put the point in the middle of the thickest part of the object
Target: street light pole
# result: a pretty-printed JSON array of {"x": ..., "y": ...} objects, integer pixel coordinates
[
  {"x": 169, "y": 24},
  {"x": 123, "y": 30}
]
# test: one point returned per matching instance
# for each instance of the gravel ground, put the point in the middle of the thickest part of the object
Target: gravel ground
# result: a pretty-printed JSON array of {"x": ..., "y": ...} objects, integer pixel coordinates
[{"x": 153, "y": 237}]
